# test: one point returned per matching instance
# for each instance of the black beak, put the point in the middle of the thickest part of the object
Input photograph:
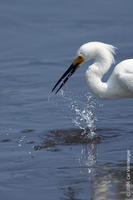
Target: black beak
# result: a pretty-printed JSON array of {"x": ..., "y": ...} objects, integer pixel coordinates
[{"x": 64, "y": 78}]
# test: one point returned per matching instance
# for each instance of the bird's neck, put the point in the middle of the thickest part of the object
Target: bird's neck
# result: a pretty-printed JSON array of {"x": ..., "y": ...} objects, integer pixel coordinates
[{"x": 94, "y": 75}]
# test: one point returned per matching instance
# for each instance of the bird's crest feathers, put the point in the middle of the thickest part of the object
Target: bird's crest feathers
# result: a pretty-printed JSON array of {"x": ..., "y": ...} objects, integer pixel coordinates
[
  {"x": 111, "y": 50},
  {"x": 91, "y": 50}
]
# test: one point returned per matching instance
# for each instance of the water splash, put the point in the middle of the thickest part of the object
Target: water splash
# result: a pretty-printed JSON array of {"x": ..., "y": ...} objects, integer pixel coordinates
[
  {"x": 21, "y": 141},
  {"x": 84, "y": 117},
  {"x": 82, "y": 111}
]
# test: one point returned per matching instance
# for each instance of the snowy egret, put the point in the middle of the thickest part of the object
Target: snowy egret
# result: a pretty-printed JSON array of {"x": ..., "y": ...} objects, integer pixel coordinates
[{"x": 120, "y": 83}]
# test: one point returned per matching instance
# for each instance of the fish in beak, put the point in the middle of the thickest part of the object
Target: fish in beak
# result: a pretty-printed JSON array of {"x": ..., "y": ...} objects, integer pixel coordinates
[{"x": 69, "y": 72}]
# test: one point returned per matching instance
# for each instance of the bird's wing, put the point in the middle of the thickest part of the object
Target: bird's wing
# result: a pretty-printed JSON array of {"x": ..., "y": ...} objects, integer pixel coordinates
[
  {"x": 126, "y": 81},
  {"x": 123, "y": 74}
]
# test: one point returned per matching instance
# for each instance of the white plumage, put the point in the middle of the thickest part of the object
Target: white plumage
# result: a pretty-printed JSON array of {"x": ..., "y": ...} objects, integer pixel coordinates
[{"x": 120, "y": 83}]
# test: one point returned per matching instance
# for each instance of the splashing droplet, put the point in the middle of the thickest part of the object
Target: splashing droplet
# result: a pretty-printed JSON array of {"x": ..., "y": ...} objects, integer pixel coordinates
[{"x": 83, "y": 114}]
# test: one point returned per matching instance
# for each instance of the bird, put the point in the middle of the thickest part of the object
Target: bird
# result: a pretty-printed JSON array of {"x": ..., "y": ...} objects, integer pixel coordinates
[{"x": 119, "y": 84}]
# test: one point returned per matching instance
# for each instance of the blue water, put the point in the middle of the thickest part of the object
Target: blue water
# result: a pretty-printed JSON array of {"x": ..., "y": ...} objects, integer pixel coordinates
[{"x": 43, "y": 152}]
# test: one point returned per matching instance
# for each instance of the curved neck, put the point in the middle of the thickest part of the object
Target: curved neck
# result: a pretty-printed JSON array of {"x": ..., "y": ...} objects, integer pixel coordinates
[{"x": 94, "y": 75}]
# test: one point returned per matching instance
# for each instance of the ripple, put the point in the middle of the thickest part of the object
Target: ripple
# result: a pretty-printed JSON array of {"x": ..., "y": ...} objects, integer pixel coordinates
[
  {"x": 65, "y": 137},
  {"x": 5, "y": 140}
]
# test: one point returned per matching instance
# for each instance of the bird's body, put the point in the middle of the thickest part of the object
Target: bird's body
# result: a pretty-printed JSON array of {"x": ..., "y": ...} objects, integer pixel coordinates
[{"x": 119, "y": 84}]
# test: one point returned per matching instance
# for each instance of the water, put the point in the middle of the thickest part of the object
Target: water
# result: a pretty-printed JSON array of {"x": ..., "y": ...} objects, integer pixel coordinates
[
  {"x": 81, "y": 110},
  {"x": 72, "y": 146}
]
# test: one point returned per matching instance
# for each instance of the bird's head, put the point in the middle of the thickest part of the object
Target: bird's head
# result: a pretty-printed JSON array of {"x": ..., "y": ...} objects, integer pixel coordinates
[{"x": 86, "y": 52}]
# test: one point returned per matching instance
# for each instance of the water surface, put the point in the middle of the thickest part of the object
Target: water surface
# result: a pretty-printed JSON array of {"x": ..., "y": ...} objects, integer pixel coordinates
[{"x": 44, "y": 151}]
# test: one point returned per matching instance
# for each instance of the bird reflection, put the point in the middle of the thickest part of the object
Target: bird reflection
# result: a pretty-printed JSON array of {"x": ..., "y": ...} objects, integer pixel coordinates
[
  {"x": 81, "y": 174},
  {"x": 88, "y": 156},
  {"x": 100, "y": 185},
  {"x": 70, "y": 193},
  {"x": 106, "y": 181}
]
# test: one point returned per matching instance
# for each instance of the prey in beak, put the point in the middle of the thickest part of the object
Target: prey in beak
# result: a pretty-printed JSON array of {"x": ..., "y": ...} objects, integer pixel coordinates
[{"x": 69, "y": 72}]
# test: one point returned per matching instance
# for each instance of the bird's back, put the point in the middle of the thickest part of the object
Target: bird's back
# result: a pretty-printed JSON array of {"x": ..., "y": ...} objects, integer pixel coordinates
[
  {"x": 121, "y": 80},
  {"x": 126, "y": 66}
]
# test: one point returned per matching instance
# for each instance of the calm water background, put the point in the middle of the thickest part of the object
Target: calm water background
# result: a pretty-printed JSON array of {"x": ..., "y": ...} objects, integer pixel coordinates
[{"x": 38, "y": 40}]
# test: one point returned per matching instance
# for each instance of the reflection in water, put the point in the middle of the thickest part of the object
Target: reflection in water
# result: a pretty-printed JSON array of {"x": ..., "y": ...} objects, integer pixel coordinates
[
  {"x": 110, "y": 183},
  {"x": 75, "y": 185},
  {"x": 88, "y": 156},
  {"x": 101, "y": 187},
  {"x": 106, "y": 184},
  {"x": 83, "y": 177},
  {"x": 70, "y": 193},
  {"x": 55, "y": 138},
  {"x": 106, "y": 181}
]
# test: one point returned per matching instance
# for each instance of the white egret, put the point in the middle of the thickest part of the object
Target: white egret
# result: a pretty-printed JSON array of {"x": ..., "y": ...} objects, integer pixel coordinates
[{"x": 119, "y": 84}]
